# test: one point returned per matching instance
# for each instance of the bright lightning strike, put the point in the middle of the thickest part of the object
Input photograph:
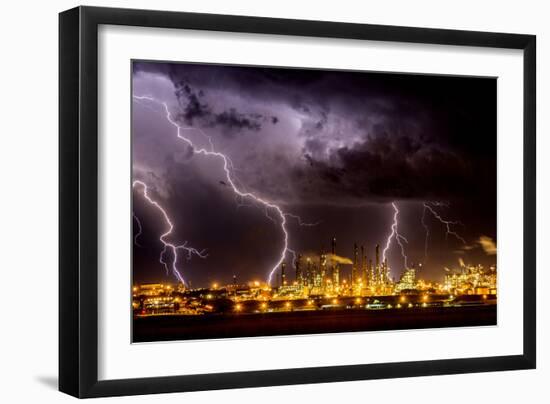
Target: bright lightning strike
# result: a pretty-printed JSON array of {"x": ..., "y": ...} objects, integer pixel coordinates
[
  {"x": 140, "y": 229},
  {"x": 448, "y": 223},
  {"x": 301, "y": 222},
  {"x": 398, "y": 237},
  {"x": 227, "y": 167},
  {"x": 293, "y": 253},
  {"x": 168, "y": 245}
]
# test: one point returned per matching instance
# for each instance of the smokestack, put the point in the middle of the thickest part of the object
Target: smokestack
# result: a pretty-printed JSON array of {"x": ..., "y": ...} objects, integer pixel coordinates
[
  {"x": 308, "y": 270},
  {"x": 335, "y": 270},
  {"x": 363, "y": 272},
  {"x": 371, "y": 272},
  {"x": 283, "y": 275},
  {"x": 377, "y": 253},
  {"x": 298, "y": 264}
]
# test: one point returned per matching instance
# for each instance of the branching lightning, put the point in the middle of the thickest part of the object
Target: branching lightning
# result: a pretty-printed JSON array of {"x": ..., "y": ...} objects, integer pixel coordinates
[
  {"x": 398, "y": 237},
  {"x": 447, "y": 223},
  {"x": 301, "y": 222},
  {"x": 293, "y": 253},
  {"x": 140, "y": 229},
  {"x": 167, "y": 245},
  {"x": 231, "y": 181}
]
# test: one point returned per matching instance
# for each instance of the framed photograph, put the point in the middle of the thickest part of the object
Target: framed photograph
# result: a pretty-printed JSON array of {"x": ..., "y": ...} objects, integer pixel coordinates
[{"x": 251, "y": 201}]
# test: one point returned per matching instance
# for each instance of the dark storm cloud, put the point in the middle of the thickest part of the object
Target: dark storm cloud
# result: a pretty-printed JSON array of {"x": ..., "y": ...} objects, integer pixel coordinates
[
  {"x": 386, "y": 167},
  {"x": 193, "y": 108},
  {"x": 196, "y": 111},
  {"x": 234, "y": 120}
]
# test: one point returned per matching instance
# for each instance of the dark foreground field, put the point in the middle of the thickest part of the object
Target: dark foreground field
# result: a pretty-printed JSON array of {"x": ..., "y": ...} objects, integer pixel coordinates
[{"x": 171, "y": 327}]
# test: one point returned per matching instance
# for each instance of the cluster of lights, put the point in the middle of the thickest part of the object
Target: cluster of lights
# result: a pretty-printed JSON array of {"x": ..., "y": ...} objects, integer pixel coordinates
[{"x": 287, "y": 298}]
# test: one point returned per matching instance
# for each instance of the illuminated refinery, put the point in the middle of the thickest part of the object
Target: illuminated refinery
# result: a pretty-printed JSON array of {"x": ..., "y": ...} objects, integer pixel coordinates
[{"x": 322, "y": 282}]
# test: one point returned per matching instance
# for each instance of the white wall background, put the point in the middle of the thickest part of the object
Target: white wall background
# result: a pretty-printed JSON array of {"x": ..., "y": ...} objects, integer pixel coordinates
[{"x": 28, "y": 197}]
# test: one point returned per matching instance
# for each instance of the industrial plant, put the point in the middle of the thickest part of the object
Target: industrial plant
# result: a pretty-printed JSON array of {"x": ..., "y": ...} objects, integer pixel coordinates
[{"x": 324, "y": 281}]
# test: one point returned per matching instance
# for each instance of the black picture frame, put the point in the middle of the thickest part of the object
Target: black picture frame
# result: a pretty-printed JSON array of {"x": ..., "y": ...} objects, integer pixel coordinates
[{"x": 78, "y": 201}]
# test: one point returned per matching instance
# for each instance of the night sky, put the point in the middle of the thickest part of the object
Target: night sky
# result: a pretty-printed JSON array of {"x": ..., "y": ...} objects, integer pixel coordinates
[{"x": 334, "y": 147}]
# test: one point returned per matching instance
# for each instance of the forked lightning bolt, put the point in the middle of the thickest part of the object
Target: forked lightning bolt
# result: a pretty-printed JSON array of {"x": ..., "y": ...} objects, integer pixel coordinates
[
  {"x": 227, "y": 168},
  {"x": 301, "y": 222},
  {"x": 398, "y": 237},
  {"x": 167, "y": 244},
  {"x": 140, "y": 229},
  {"x": 448, "y": 223}
]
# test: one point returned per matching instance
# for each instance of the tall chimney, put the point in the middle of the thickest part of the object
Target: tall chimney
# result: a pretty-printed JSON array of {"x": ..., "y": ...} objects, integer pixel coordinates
[
  {"x": 355, "y": 268},
  {"x": 377, "y": 253},
  {"x": 298, "y": 264}
]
